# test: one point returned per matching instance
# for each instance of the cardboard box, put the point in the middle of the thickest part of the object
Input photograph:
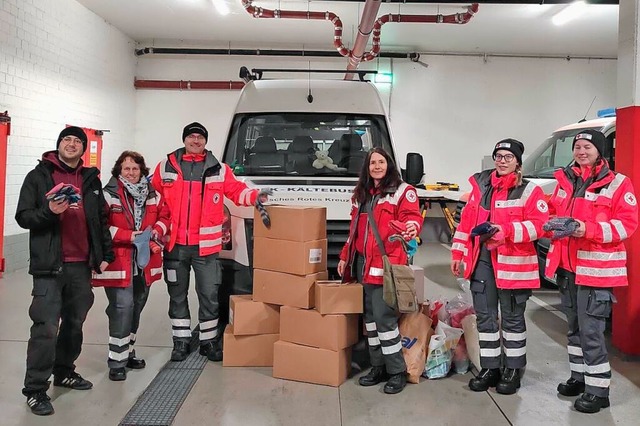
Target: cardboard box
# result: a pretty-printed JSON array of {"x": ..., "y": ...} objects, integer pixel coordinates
[
  {"x": 250, "y": 317},
  {"x": 292, "y": 257},
  {"x": 311, "y": 365},
  {"x": 292, "y": 223},
  {"x": 308, "y": 327},
  {"x": 418, "y": 273},
  {"x": 285, "y": 289},
  {"x": 247, "y": 351},
  {"x": 333, "y": 297}
]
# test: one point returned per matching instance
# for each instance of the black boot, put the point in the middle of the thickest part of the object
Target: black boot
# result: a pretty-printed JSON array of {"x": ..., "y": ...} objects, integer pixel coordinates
[
  {"x": 571, "y": 387},
  {"x": 180, "y": 350},
  {"x": 509, "y": 382},
  {"x": 396, "y": 383},
  {"x": 486, "y": 378},
  {"x": 211, "y": 350},
  {"x": 375, "y": 376},
  {"x": 589, "y": 403},
  {"x": 117, "y": 374},
  {"x": 136, "y": 363}
]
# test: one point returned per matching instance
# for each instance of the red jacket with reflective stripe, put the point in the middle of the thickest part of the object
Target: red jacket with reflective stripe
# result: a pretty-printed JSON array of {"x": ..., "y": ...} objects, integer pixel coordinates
[
  {"x": 401, "y": 205},
  {"x": 218, "y": 182},
  {"x": 121, "y": 225},
  {"x": 609, "y": 210},
  {"x": 520, "y": 211}
]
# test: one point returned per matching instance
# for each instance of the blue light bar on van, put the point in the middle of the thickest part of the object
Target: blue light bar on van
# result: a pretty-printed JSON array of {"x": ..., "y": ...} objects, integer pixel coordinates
[{"x": 607, "y": 112}]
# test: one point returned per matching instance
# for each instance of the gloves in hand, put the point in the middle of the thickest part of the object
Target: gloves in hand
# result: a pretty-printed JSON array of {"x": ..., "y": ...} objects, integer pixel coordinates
[
  {"x": 64, "y": 191},
  {"x": 485, "y": 231},
  {"x": 561, "y": 227}
]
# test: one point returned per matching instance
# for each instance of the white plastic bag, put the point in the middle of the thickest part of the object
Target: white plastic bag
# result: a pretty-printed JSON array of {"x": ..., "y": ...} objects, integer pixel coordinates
[{"x": 440, "y": 350}]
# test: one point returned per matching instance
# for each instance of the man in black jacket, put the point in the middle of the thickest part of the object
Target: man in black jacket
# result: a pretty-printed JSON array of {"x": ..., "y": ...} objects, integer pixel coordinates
[{"x": 67, "y": 241}]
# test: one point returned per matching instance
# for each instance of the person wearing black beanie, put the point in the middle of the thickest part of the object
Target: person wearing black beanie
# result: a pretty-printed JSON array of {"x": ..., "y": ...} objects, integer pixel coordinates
[
  {"x": 194, "y": 185},
  {"x": 512, "y": 145},
  {"x": 590, "y": 262},
  {"x": 496, "y": 240},
  {"x": 195, "y": 128},
  {"x": 68, "y": 241},
  {"x": 73, "y": 131},
  {"x": 594, "y": 137}
]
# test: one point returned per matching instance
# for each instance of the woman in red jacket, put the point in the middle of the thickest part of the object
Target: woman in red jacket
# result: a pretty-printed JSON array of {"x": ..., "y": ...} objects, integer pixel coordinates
[
  {"x": 381, "y": 190},
  {"x": 133, "y": 207},
  {"x": 500, "y": 259},
  {"x": 590, "y": 262}
]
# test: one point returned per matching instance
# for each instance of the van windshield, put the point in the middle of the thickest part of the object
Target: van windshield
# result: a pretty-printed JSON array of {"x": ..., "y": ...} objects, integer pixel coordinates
[
  {"x": 555, "y": 153},
  {"x": 291, "y": 143}
]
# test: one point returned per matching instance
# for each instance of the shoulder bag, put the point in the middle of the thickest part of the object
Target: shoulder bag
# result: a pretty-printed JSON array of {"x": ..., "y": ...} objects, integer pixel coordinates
[{"x": 398, "y": 286}]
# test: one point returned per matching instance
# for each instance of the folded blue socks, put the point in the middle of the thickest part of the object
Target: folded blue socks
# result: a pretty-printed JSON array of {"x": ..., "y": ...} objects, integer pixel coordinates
[{"x": 143, "y": 251}]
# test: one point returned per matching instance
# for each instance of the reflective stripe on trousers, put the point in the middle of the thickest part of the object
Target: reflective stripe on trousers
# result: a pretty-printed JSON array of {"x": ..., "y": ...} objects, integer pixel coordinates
[
  {"x": 587, "y": 310},
  {"x": 381, "y": 323},
  {"x": 488, "y": 300},
  {"x": 177, "y": 267}
]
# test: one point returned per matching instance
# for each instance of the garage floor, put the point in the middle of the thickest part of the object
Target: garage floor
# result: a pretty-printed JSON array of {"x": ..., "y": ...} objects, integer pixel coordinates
[{"x": 250, "y": 396}]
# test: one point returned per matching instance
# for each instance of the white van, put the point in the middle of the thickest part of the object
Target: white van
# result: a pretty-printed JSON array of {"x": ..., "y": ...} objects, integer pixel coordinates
[
  {"x": 277, "y": 128},
  {"x": 556, "y": 153}
]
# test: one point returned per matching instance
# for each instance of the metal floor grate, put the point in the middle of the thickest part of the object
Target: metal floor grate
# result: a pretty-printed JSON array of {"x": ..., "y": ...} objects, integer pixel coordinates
[{"x": 162, "y": 399}]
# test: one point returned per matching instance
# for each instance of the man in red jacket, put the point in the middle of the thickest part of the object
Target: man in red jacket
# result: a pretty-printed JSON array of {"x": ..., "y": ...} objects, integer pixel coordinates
[{"x": 194, "y": 184}]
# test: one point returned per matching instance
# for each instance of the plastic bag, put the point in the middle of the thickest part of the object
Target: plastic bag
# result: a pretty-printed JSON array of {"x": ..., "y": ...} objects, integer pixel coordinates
[
  {"x": 460, "y": 357},
  {"x": 465, "y": 286},
  {"x": 472, "y": 339},
  {"x": 440, "y": 350},
  {"x": 415, "y": 330}
]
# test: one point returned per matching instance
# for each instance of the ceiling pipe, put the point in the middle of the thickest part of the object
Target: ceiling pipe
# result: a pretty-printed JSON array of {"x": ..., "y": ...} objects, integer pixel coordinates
[
  {"x": 456, "y": 18},
  {"x": 517, "y": 2},
  {"x": 259, "y": 52},
  {"x": 365, "y": 28},
  {"x": 259, "y": 12},
  {"x": 187, "y": 85}
]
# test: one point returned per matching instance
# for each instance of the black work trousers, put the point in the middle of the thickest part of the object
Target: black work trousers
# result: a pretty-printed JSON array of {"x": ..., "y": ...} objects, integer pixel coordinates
[
  {"x": 177, "y": 269},
  {"x": 587, "y": 310},
  {"x": 509, "y": 336},
  {"x": 59, "y": 307}
]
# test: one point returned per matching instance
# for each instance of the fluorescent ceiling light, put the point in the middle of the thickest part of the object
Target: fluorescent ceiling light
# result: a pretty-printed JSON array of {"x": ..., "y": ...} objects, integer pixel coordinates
[
  {"x": 221, "y": 7},
  {"x": 573, "y": 11}
]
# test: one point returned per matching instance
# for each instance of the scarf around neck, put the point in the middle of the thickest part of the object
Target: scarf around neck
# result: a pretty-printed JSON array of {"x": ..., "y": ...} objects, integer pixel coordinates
[{"x": 139, "y": 191}]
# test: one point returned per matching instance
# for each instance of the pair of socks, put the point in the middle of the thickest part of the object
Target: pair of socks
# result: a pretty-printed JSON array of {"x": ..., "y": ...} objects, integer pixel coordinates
[{"x": 143, "y": 249}]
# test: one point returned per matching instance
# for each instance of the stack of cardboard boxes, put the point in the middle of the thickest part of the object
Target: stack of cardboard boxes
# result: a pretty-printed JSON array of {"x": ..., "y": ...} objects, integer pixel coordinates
[
  {"x": 252, "y": 331},
  {"x": 290, "y": 261}
]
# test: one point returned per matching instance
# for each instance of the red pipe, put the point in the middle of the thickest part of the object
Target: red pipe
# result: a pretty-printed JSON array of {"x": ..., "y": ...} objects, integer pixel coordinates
[
  {"x": 364, "y": 30},
  {"x": 456, "y": 18},
  {"x": 259, "y": 12},
  {"x": 367, "y": 20},
  {"x": 188, "y": 85}
]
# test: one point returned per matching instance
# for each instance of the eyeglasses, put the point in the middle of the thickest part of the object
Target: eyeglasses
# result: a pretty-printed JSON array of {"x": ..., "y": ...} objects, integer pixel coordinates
[
  {"x": 195, "y": 137},
  {"x": 71, "y": 139},
  {"x": 507, "y": 157}
]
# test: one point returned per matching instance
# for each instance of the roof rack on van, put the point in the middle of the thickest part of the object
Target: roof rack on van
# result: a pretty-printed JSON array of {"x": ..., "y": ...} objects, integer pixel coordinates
[{"x": 256, "y": 73}]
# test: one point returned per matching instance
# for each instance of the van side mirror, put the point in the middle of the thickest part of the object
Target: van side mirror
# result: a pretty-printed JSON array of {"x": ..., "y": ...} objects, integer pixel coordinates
[{"x": 415, "y": 168}]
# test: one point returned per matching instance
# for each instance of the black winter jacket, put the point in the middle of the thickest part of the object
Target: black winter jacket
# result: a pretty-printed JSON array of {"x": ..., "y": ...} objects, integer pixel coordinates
[{"x": 45, "y": 237}]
